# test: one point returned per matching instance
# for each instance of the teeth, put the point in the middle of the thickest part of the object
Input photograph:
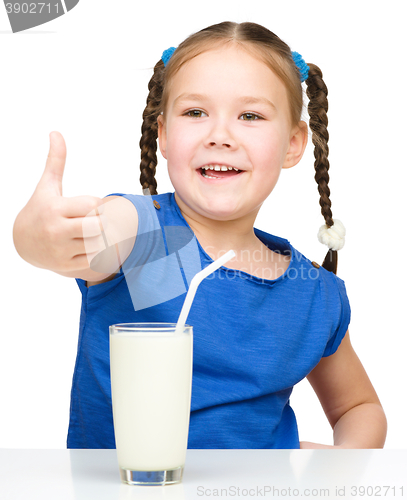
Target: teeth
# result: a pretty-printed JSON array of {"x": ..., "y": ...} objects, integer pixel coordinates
[
  {"x": 208, "y": 176},
  {"x": 224, "y": 168}
]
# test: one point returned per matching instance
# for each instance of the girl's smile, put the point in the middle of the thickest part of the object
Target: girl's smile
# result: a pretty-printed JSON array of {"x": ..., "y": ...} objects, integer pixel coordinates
[
  {"x": 226, "y": 134},
  {"x": 218, "y": 172}
]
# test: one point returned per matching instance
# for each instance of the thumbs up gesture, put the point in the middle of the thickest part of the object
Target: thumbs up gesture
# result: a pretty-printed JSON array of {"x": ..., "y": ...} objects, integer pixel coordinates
[{"x": 49, "y": 230}]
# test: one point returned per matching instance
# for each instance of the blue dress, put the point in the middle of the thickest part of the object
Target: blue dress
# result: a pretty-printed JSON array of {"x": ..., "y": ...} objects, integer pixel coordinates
[{"x": 254, "y": 339}]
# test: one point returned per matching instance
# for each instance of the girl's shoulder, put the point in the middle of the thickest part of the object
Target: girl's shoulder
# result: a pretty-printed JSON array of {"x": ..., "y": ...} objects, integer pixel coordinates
[
  {"x": 153, "y": 210},
  {"x": 301, "y": 270},
  {"x": 326, "y": 291}
]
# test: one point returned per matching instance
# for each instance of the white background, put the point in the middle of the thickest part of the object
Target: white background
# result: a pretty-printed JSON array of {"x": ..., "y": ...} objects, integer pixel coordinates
[{"x": 85, "y": 75}]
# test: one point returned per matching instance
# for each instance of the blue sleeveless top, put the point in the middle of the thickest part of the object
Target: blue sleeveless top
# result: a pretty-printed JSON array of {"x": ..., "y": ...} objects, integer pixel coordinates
[{"x": 254, "y": 339}]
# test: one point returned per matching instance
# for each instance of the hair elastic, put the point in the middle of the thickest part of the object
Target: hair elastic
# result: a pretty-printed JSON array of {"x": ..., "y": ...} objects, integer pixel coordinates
[
  {"x": 334, "y": 236},
  {"x": 297, "y": 58},
  {"x": 301, "y": 65},
  {"x": 166, "y": 56}
]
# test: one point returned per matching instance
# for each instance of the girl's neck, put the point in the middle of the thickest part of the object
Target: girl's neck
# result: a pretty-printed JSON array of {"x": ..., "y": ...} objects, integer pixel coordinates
[{"x": 217, "y": 237}]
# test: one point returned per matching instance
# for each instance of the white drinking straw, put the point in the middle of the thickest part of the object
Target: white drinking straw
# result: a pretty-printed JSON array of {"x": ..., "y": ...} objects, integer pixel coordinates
[{"x": 196, "y": 280}]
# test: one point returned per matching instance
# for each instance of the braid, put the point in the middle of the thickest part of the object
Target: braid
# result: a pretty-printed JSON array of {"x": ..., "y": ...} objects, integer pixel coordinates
[
  {"x": 149, "y": 130},
  {"x": 317, "y": 108}
]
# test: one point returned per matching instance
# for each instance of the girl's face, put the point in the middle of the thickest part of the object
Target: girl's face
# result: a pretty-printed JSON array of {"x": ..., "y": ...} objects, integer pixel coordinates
[{"x": 227, "y": 134}]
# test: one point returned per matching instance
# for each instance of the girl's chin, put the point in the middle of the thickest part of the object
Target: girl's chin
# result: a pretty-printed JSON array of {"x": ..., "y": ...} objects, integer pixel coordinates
[{"x": 216, "y": 211}]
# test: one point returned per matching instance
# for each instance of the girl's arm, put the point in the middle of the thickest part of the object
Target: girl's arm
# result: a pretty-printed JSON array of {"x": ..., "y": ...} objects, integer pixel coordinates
[
  {"x": 83, "y": 237},
  {"x": 349, "y": 401},
  {"x": 118, "y": 226}
]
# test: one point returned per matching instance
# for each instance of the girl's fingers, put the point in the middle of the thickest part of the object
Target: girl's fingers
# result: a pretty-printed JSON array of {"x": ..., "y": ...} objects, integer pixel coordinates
[
  {"x": 106, "y": 261},
  {"x": 80, "y": 246},
  {"x": 92, "y": 246},
  {"x": 80, "y": 206},
  {"x": 85, "y": 227},
  {"x": 80, "y": 262},
  {"x": 50, "y": 183},
  {"x": 89, "y": 226}
]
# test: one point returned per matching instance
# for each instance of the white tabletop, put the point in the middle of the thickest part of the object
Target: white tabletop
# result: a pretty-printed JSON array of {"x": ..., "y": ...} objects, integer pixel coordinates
[{"x": 93, "y": 474}]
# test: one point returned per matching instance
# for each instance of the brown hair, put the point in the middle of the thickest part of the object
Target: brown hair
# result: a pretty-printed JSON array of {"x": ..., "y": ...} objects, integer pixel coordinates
[{"x": 263, "y": 44}]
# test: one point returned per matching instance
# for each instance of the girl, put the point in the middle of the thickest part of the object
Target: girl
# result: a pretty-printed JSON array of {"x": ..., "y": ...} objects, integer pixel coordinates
[{"x": 226, "y": 108}]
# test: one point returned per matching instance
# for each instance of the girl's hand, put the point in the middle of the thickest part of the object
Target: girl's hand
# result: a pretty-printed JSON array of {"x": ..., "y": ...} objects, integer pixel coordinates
[
  {"x": 349, "y": 400},
  {"x": 48, "y": 231},
  {"x": 306, "y": 445}
]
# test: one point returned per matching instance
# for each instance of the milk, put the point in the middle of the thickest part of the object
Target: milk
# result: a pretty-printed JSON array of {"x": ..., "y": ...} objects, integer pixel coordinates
[{"x": 151, "y": 394}]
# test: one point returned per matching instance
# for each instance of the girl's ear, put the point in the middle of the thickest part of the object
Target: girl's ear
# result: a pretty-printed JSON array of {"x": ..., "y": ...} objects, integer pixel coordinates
[
  {"x": 298, "y": 143},
  {"x": 162, "y": 135}
]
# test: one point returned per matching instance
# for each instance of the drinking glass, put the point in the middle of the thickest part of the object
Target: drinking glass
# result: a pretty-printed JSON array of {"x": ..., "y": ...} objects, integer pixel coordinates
[{"x": 151, "y": 377}]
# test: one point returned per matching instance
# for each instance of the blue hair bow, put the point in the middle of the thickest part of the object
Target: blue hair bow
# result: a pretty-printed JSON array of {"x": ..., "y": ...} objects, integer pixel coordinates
[
  {"x": 167, "y": 55},
  {"x": 298, "y": 59},
  {"x": 301, "y": 65}
]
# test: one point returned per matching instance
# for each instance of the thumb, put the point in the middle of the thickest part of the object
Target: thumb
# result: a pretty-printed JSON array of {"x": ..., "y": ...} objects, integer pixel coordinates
[{"x": 51, "y": 179}]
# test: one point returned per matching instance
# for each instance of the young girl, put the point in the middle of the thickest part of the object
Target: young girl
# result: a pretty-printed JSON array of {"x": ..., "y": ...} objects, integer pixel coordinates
[{"x": 226, "y": 108}]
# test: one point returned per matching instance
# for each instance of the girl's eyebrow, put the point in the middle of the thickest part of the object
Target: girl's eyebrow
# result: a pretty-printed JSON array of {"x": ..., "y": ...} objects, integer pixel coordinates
[
  {"x": 191, "y": 97},
  {"x": 244, "y": 100},
  {"x": 257, "y": 100}
]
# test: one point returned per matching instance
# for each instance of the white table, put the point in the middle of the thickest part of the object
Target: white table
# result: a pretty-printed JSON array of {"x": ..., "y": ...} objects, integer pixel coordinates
[{"x": 93, "y": 475}]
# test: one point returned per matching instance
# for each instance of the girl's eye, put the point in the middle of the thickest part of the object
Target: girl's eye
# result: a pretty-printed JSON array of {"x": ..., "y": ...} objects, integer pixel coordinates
[
  {"x": 195, "y": 113},
  {"x": 250, "y": 117}
]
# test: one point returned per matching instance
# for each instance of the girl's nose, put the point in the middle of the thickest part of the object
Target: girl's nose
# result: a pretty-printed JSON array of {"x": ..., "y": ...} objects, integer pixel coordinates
[
  {"x": 227, "y": 144},
  {"x": 221, "y": 137}
]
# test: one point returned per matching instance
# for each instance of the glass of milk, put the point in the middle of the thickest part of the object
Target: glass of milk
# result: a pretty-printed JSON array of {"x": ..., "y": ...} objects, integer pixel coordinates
[{"x": 151, "y": 376}]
